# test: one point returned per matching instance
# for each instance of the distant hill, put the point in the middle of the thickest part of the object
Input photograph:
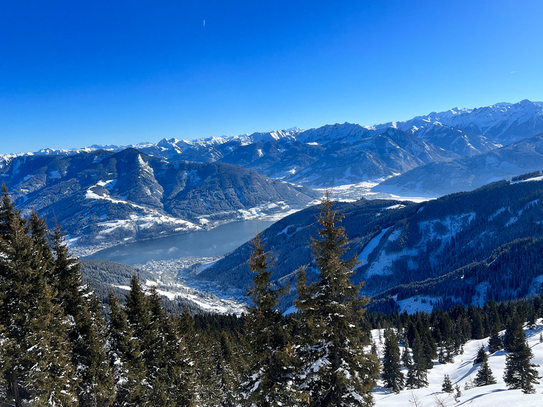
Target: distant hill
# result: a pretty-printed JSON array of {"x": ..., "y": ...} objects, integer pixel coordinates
[{"x": 107, "y": 276}]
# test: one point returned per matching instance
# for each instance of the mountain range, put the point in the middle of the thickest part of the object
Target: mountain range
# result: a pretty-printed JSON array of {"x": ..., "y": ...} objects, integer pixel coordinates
[
  {"x": 341, "y": 154},
  {"x": 439, "y": 178}
]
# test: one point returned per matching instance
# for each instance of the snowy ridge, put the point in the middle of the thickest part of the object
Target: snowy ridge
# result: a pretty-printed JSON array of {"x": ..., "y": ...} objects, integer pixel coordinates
[
  {"x": 348, "y": 153},
  {"x": 486, "y": 119}
]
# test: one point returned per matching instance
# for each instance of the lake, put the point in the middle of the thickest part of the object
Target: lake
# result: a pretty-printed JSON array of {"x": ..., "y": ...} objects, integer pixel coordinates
[{"x": 215, "y": 242}]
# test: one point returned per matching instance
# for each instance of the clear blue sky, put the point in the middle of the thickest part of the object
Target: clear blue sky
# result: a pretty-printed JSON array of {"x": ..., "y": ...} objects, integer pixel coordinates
[{"x": 75, "y": 73}]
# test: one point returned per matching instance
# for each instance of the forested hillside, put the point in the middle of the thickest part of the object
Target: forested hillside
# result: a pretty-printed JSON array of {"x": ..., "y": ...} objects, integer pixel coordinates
[{"x": 454, "y": 248}]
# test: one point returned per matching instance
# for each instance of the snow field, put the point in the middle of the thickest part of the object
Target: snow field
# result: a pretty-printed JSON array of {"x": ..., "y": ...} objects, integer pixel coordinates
[{"x": 462, "y": 371}]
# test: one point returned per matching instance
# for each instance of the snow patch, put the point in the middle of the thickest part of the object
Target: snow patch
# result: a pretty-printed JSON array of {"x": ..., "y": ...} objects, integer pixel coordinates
[{"x": 370, "y": 247}]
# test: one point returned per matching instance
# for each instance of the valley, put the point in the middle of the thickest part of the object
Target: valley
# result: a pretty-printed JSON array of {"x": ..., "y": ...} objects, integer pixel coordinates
[{"x": 150, "y": 204}]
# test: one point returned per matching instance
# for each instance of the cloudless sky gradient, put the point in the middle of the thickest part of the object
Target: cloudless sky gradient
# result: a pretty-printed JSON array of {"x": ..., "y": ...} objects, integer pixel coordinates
[{"x": 76, "y": 73}]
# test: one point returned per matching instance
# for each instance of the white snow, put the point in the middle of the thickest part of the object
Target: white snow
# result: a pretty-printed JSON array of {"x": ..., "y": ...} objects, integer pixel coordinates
[
  {"x": 536, "y": 286},
  {"x": 419, "y": 303},
  {"x": 529, "y": 180},
  {"x": 370, "y": 247},
  {"x": 461, "y": 371},
  {"x": 493, "y": 216}
]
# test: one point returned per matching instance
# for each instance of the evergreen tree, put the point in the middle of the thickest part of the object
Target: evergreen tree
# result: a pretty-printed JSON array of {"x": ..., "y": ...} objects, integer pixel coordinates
[
  {"x": 87, "y": 331},
  {"x": 419, "y": 362},
  {"x": 510, "y": 330},
  {"x": 391, "y": 372},
  {"x": 7, "y": 213},
  {"x": 519, "y": 372},
  {"x": 94, "y": 374},
  {"x": 35, "y": 325},
  {"x": 494, "y": 342},
  {"x": 481, "y": 356},
  {"x": 126, "y": 360},
  {"x": 208, "y": 390},
  {"x": 447, "y": 386},
  {"x": 336, "y": 370},
  {"x": 405, "y": 358},
  {"x": 429, "y": 349},
  {"x": 457, "y": 393},
  {"x": 271, "y": 371},
  {"x": 484, "y": 375},
  {"x": 170, "y": 374},
  {"x": 411, "y": 381},
  {"x": 477, "y": 330},
  {"x": 139, "y": 316},
  {"x": 227, "y": 371}
]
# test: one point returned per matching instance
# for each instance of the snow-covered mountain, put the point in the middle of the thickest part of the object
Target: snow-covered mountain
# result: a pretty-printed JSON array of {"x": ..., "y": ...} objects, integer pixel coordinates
[
  {"x": 439, "y": 178},
  {"x": 473, "y": 131},
  {"x": 348, "y": 153},
  {"x": 104, "y": 198}
]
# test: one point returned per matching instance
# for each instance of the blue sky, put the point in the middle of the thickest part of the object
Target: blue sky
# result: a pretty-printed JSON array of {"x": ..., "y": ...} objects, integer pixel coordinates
[{"x": 76, "y": 73}]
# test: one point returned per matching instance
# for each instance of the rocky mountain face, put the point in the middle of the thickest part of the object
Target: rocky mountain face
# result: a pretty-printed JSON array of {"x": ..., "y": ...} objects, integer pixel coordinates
[
  {"x": 440, "y": 178},
  {"x": 104, "y": 198},
  {"x": 475, "y": 131},
  {"x": 461, "y": 248}
]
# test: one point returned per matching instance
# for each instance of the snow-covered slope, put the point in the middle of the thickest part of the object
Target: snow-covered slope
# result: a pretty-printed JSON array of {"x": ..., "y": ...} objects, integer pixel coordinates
[
  {"x": 440, "y": 178},
  {"x": 462, "y": 371}
]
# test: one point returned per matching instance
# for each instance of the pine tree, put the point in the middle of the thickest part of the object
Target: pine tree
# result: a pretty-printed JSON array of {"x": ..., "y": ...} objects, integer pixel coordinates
[
  {"x": 405, "y": 358},
  {"x": 35, "y": 325},
  {"x": 457, "y": 393},
  {"x": 170, "y": 374},
  {"x": 447, "y": 386},
  {"x": 139, "y": 316},
  {"x": 126, "y": 360},
  {"x": 270, "y": 381},
  {"x": 87, "y": 331},
  {"x": 510, "y": 329},
  {"x": 7, "y": 213},
  {"x": 519, "y": 372},
  {"x": 208, "y": 392},
  {"x": 336, "y": 371},
  {"x": 494, "y": 342},
  {"x": 484, "y": 375},
  {"x": 419, "y": 362},
  {"x": 481, "y": 356},
  {"x": 411, "y": 381},
  {"x": 228, "y": 371},
  {"x": 391, "y": 372}
]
